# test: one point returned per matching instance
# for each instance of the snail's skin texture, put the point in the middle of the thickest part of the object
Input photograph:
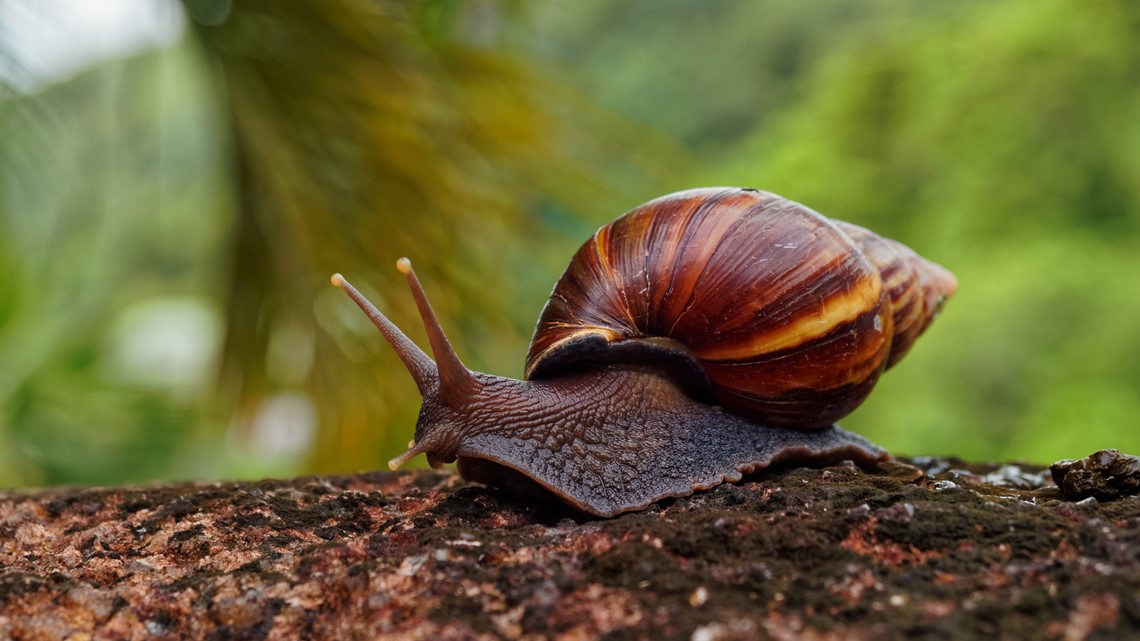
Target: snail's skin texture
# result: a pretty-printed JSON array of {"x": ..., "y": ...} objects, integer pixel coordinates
[
  {"x": 637, "y": 440},
  {"x": 700, "y": 337}
]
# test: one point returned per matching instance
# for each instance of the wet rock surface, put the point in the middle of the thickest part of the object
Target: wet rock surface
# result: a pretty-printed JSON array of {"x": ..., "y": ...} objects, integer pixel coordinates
[{"x": 914, "y": 549}]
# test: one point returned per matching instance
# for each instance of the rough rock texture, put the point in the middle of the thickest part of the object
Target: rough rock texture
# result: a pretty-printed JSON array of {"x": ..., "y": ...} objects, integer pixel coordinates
[
  {"x": 920, "y": 549},
  {"x": 1105, "y": 475}
]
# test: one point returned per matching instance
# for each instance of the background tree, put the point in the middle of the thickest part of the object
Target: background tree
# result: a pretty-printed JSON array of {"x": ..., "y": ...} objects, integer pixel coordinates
[{"x": 168, "y": 221}]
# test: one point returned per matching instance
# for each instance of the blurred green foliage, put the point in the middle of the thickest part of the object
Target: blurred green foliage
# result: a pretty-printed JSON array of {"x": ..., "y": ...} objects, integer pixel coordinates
[
  {"x": 1003, "y": 142},
  {"x": 168, "y": 222}
]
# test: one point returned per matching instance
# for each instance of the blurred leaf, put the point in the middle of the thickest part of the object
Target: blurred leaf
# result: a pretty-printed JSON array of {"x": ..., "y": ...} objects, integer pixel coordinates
[
  {"x": 283, "y": 141},
  {"x": 98, "y": 210},
  {"x": 1003, "y": 143},
  {"x": 364, "y": 131}
]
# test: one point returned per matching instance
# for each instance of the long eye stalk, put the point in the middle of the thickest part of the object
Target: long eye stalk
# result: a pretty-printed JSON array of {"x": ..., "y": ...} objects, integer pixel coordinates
[
  {"x": 419, "y": 365},
  {"x": 455, "y": 381}
]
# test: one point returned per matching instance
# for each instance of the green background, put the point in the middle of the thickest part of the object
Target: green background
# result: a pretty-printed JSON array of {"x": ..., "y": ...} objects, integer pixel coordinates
[{"x": 168, "y": 220}]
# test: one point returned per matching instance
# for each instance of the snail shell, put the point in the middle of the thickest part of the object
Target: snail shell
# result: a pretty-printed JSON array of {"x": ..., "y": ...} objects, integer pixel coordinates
[{"x": 750, "y": 300}]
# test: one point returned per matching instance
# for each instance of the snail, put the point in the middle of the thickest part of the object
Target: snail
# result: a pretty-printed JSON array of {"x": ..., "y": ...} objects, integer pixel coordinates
[{"x": 700, "y": 337}]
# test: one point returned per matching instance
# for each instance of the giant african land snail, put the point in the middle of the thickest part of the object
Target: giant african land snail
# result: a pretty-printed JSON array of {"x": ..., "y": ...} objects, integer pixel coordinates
[{"x": 702, "y": 336}]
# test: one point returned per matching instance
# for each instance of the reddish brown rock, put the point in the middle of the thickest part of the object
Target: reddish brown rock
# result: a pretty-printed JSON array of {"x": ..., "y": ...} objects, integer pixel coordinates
[{"x": 929, "y": 548}]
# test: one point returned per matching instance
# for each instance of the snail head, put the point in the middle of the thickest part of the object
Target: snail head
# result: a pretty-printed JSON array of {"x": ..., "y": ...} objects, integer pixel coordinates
[{"x": 447, "y": 386}]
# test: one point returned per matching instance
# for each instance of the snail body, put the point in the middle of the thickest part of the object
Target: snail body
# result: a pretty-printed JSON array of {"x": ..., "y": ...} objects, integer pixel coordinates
[{"x": 702, "y": 336}]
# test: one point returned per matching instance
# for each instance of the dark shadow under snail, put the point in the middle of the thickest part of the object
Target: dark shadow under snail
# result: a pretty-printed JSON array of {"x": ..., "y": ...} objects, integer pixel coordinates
[{"x": 700, "y": 337}]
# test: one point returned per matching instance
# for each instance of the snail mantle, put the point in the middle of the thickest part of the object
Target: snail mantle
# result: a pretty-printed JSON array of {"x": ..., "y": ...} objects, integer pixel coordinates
[{"x": 917, "y": 549}]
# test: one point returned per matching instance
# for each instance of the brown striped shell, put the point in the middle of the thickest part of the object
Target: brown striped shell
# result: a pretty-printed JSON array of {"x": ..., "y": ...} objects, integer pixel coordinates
[{"x": 751, "y": 300}]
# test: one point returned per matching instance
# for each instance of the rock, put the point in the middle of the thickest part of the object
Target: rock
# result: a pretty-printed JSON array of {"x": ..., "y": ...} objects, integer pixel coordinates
[
  {"x": 931, "y": 548},
  {"x": 1105, "y": 475}
]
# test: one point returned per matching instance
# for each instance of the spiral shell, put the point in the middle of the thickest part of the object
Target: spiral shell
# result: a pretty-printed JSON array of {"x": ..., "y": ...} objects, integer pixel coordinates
[{"x": 751, "y": 300}]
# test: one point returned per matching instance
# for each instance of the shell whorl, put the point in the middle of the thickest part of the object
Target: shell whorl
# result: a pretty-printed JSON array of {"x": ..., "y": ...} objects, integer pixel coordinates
[
  {"x": 754, "y": 301},
  {"x": 916, "y": 287}
]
